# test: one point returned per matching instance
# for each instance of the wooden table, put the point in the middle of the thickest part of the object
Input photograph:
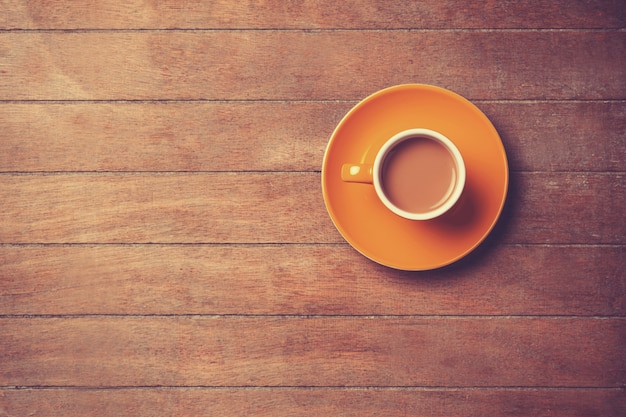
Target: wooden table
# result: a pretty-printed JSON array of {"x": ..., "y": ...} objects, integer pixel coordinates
[{"x": 164, "y": 245}]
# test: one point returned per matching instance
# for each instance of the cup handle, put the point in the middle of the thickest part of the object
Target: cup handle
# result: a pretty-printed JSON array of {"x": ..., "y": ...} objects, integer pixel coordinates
[{"x": 357, "y": 173}]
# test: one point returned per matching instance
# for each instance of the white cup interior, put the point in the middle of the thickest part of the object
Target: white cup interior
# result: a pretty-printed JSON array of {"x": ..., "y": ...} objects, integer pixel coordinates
[{"x": 416, "y": 133}]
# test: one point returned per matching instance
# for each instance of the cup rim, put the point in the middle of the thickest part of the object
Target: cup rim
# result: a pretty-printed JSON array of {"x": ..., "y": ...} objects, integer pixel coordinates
[{"x": 401, "y": 137}]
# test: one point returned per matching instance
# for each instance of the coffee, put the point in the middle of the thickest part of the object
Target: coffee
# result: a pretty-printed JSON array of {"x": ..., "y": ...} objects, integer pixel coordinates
[{"x": 418, "y": 174}]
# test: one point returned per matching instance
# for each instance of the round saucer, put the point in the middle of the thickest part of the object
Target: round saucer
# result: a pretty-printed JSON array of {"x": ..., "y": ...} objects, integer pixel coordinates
[{"x": 381, "y": 235}]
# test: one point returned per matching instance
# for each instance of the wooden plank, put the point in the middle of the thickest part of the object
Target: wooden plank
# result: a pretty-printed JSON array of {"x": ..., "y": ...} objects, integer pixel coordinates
[
  {"x": 276, "y": 136},
  {"x": 315, "y": 402},
  {"x": 164, "y": 208},
  {"x": 561, "y": 136},
  {"x": 174, "y": 136},
  {"x": 272, "y": 208},
  {"x": 306, "y": 280},
  {"x": 565, "y": 207},
  {"x": 153, "y": 14},
  {"x": 316, "y": 351},
  {"x": 278, "y": 65}
]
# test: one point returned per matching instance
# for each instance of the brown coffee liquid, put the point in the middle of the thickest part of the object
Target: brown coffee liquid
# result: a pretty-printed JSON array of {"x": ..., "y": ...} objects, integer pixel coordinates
[{"x": 418, "y": 175}]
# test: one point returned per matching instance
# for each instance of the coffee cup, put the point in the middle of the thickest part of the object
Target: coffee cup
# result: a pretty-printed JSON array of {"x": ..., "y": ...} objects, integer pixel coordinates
[{"x": 418, "y": 174}]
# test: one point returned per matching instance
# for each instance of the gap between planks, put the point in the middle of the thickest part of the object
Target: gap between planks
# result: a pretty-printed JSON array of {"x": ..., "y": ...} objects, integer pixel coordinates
[
  {"x": 240, "y": 172},
  {"x": 319, "y": 316},
  {"x": 271, "y": 244},
  {"x": 287, "y": 101},
  {"x": 309, "y": 387},
  {"x": 315, "y": 30}
]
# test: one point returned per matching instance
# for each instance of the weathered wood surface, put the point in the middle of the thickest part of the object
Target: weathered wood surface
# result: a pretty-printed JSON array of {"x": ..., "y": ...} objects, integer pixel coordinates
[
  {"x": 365, "y": 402},
  {"x": 309, "y": 65},
  {"x": 313, "y": 351},
  {"x": 575, "y": 208},
  {"x": 306, "y": 280},
  {"x": 310, "y": 14},
  {"x": 164, "y": 246},
  {"x": 277, "y": 136}
]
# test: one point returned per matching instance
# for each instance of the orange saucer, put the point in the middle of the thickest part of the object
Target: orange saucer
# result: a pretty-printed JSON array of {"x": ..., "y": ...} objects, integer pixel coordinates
[{"x": 368, "y": 225}]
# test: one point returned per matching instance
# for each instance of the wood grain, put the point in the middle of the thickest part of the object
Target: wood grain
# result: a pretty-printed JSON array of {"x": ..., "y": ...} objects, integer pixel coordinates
[
  {"x": 305, "y": 65},
  {"x": 306, "y": 280},
  {"x": 276, "y": 136},
  {"x": 153, "y": 14},
  {"x": 314, "y": 351},
  {"x": 272, "y": 208},
  {"x": 164, "y": 246},
  {"x": 365, "y": 402}
]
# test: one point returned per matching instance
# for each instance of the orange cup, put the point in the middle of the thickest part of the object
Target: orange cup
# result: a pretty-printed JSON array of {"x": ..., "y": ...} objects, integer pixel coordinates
[{"x": 418, "y": 174}]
